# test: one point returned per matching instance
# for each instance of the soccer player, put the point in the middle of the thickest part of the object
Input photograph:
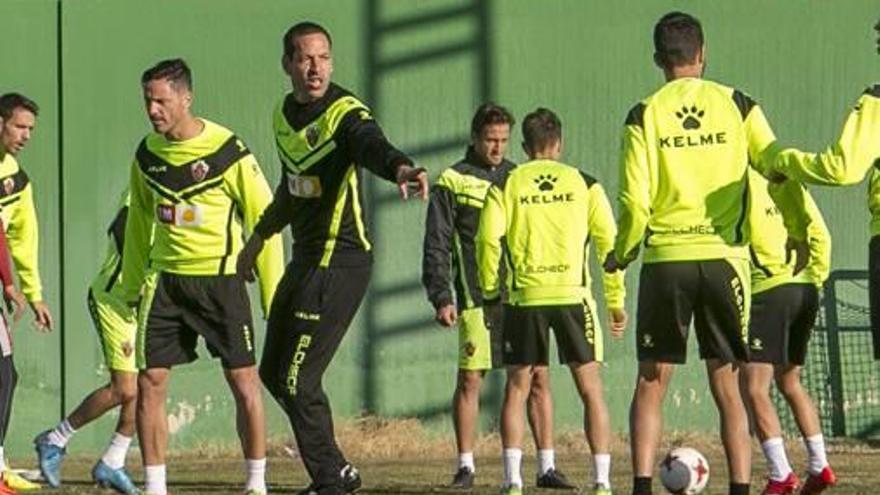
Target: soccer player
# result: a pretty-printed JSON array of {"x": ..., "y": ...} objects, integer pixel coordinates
[
  {"x": 116, "y": 323},
  {"x": 684, "y": 197},
  {"x": 325, "y": 137},
  {"x": 848, "y": 161},
  {"x": 547, "y": 214},
  {"x": 784, "y": 308},
  {"x": 453, "y": 217},
  {"x": 193, "y": 184},
  {"x": 18, "y": 116}
]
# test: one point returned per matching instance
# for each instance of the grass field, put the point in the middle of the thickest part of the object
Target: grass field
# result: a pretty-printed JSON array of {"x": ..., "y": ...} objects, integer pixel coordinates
[{"x": 400, "y": 458}]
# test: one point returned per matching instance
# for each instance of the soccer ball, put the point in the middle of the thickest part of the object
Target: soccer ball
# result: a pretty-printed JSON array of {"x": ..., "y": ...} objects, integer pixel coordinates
[{"x": 684, "y": 471}]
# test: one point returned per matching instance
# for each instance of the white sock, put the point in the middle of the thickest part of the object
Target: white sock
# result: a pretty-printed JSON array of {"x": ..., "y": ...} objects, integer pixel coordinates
[
  {"x": 256, "y": 474},
  {"x": 115, "y": 454},
  {"x": 602, "y": 470},
  {"x": 61, "y": 434},
  {"x": 546, "y": 460},
  {"x": 816, "y": 453},
  {"x": 2, "y": 459},
  {"x": 777, "y": 461},
  {"x": 512, "y": 467},
  {"x": 154, "y": 480},
  {"x": 466, "y": 460}
]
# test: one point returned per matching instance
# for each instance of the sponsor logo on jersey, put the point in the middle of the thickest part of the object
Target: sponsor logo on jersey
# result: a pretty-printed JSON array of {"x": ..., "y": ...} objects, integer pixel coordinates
[
  {"x": 560, "y": 268},
  {"x": 304, "y": 186},
  {"x": 691, "y": 119},
  {"x": 199, "y": 170}
]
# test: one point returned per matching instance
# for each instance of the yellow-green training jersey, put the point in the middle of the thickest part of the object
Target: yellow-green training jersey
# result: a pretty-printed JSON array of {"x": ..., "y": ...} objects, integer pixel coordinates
[
  {"x": 772, "y": 265},
  {"x": 22, "y": 231},
  {"x": 849, "y": 159},
  {"x": 195, "y": 197},
  {"x": 683, "y": 175},
  {"x": 547, "y": 214},
  {"x": 324, "y": 146}
]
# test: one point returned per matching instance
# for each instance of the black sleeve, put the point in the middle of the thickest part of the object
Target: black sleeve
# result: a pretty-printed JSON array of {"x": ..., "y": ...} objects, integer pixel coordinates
[
  {"x": 367, "y": 146},
  {"x": 275, "y": 216},
  {"x": 437, "y": 250},
  {"x": 117, "y": 229}
]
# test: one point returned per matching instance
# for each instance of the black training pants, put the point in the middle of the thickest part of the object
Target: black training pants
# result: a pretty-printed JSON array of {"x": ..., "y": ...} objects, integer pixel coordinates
[
  {"x": 310, "y": 314},
  {"x": 874, "y": 291}
]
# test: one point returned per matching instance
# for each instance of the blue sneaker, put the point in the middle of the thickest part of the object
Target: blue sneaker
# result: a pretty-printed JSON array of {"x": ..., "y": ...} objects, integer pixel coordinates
[
  {"x": 117, "y": 479},
  {"x": 50, "y": 456}
]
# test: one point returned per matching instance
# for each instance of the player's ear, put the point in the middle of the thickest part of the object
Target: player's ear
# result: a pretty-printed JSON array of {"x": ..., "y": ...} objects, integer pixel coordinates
[
  {"x": 285, "y": 64},
  {"x": 658, "y": 61}
]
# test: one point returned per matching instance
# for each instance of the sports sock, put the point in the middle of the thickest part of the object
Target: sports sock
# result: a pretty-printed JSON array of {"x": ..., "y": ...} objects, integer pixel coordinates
[
  {"x": 466, "y": 460},
  {"x": 602, "y": 470},
  {"x": 642, "y": 485},
  {"x": 739, "y": 489},
  {"x": 816, "y": 453},
  {"x": 777, "y": 461},
  {"x": 114, "y": 456},
  {"x": 546, "y": 460},
  {"x": 61, "y": 434},
  {"x": 2, "y": 459},
  {"x": 512, "y": 466},
  {"x": 154, "y": 480},
  {"x": 256, "y": 475}
]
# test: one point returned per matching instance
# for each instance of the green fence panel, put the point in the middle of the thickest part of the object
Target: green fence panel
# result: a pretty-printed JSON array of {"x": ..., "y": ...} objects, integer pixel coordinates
[{"x": 30, "y": 67}]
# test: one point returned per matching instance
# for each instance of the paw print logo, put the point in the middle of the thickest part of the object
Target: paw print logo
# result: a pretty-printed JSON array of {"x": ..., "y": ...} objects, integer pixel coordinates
[
  {"x": 545, "y": 182},
  {"x": 690, "y": 117}
]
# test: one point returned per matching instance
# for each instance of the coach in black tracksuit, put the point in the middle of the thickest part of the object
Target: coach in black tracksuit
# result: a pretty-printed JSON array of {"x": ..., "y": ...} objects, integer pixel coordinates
[{"x": 324, "y": 136}]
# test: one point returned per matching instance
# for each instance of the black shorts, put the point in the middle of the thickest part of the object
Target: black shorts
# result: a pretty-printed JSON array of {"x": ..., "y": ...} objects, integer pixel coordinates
[
  {"x": 874, "y": 291},
  {"x": 184, "y": 307},
  {"x": 713, "y": 293},
  {"x": 781, "y": 322},
  {"x": 527, "y": 340}
]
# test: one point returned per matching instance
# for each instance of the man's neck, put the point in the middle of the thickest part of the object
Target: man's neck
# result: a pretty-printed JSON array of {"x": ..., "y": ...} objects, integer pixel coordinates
[
  {"x": 684, "y": 71},
  {"x": 187, "y": 129}
]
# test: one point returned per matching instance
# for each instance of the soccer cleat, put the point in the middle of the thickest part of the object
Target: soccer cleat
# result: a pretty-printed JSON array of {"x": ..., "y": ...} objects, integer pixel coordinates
[
  {"x": 553, "y": 478},
  {"x": 817, "y": 483},
  {"x": 784, "y": 487},
  {"x": 50, "y": 456},
  {"x": 351, "y": 478},
  {"x": 599, "y": 490},
  {"x": 117, "y": 479},
  {"x": 254, "y": 492},
  {"x": 16, "y": 482},
  {"x": 463, "y": 479},
  {"x": 511, "y": 490},
  {"x": 6, "y": 490}
]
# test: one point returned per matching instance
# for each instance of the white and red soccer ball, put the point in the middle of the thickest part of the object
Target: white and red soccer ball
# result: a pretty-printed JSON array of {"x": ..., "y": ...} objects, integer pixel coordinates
[{"x": 684, "y": 471}]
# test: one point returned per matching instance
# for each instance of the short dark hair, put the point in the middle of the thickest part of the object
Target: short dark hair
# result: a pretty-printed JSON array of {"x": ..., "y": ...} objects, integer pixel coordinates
[
  {"x": 540, "y": 129},
  {"x": 175, "y": 70},
  {"x": 678, "y": 37},
  {"x": 490, "y": 114},
  {"x": 302, "y": 29},
  {"x": 10, "y": 102}
]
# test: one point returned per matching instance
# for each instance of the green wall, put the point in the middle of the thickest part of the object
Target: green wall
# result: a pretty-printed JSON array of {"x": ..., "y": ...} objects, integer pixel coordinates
[{"x": 424, "y": 65}]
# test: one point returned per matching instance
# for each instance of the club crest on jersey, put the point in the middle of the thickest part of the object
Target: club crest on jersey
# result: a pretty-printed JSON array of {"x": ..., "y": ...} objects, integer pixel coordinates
[
  {"x": 8, "y": 185},
  {"x": 199, "y": 170},
  {"x": 312, "y": 134}
]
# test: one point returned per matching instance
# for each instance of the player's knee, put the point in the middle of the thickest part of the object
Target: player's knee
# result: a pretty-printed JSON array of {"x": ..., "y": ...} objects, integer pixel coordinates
[
  {"x": 789, "y": 386},
  {"x": 124, "y": 392},
  {"x": 469, "y": 383}
]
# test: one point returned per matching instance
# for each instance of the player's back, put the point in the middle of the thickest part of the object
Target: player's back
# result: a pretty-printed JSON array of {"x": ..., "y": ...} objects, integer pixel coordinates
[
  {"x": 547, "y": 209},
  {"x": 697, "y": 137}
]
